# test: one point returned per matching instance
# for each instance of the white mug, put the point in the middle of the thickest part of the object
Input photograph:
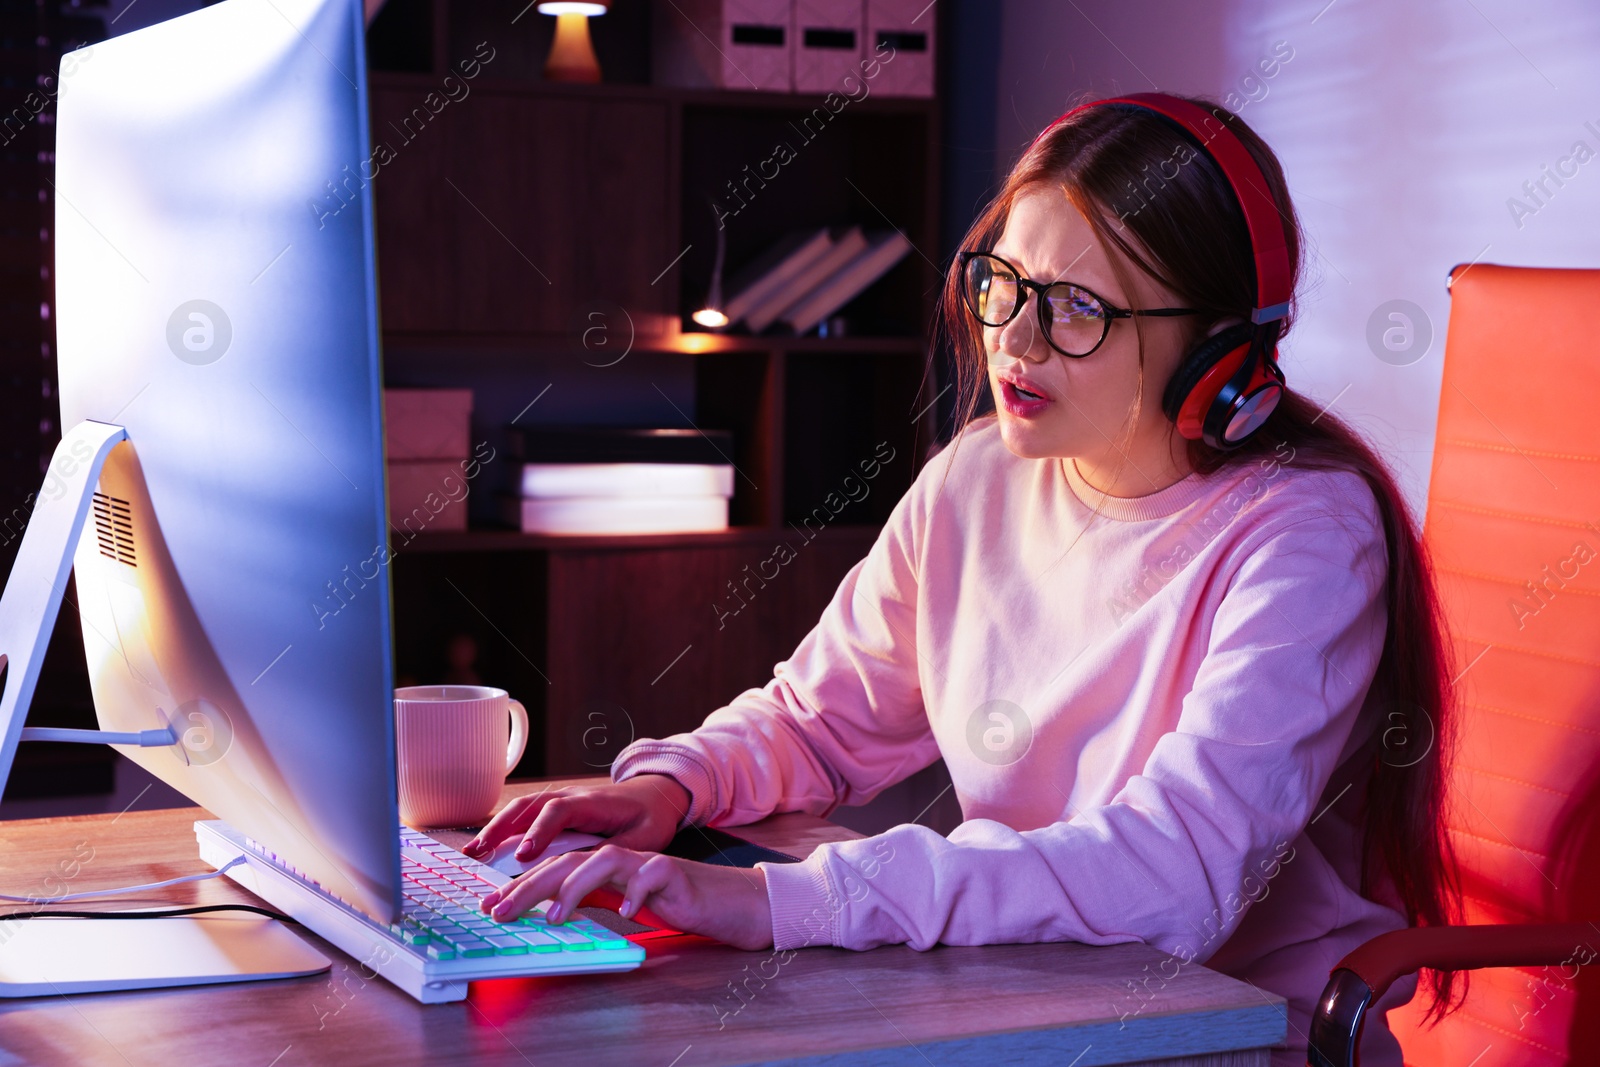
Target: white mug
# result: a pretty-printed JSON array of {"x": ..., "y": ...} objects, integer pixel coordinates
[{"x": 453, "y": 756}]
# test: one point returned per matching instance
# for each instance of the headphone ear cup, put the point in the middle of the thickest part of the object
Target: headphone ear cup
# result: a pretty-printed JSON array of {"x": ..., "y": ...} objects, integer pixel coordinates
[{"x": 1194, "y": 366}]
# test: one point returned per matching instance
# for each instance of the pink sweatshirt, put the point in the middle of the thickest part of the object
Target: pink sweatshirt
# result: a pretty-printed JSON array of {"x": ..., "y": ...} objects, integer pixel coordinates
[{"x": 1155, "y": 719}]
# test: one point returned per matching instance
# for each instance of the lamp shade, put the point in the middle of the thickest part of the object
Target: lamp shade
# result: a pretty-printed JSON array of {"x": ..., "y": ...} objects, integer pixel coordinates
[{"x": 572, "y": 57}]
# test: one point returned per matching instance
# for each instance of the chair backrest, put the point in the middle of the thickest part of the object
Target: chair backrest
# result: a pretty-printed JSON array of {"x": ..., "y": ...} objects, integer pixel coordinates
[{"x": 1513, "y": 527}]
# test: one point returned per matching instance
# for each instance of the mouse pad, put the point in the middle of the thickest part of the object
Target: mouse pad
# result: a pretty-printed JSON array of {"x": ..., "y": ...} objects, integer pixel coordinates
[{"x": 707, "y": 844}]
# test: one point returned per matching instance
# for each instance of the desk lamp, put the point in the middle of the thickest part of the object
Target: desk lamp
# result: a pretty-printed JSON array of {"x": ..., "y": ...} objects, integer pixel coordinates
[
  {"x": 712, "y": 315},
  {"x": 572, "y": 57}
]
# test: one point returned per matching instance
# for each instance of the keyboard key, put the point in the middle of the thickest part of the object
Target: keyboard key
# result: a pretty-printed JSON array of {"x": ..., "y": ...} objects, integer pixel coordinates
[
  {"x": 603, "y": 938},
  {"x": 568, "y": 936},
  {"x": 472, "y": 947},
  {"x": 540, "y": 942},
  {"x": 506, "y": 946}
]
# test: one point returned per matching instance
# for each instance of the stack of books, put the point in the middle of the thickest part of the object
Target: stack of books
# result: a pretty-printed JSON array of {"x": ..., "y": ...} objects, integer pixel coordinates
[
  {"x": 620, "y": 480},
  {"x": 810, "y": 274}
]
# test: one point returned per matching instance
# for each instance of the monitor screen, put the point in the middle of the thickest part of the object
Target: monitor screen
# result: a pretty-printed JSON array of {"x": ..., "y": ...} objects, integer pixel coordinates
[{"x": 232, "y": 577}]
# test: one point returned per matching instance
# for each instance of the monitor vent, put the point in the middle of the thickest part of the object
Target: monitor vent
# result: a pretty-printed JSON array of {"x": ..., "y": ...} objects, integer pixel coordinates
[{"x": 113, "y": 528}]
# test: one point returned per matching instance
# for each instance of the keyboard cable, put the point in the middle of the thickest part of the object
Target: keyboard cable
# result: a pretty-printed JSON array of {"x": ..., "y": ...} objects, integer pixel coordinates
[{"x": 192, "y": 910}]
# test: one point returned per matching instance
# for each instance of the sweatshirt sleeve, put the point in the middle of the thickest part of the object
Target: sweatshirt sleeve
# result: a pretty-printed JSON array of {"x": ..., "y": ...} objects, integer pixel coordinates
[
  {"x": 842, "y": 718},
  {"x": 1294, "y": 642}
]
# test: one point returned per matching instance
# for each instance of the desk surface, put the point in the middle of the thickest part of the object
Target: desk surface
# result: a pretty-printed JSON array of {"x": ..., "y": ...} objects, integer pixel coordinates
[{"x": 694, "y": 1003}]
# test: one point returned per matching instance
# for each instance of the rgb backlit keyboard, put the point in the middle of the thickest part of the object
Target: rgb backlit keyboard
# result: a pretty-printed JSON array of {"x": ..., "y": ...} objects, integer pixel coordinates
[{"x": 441, "y": 916}]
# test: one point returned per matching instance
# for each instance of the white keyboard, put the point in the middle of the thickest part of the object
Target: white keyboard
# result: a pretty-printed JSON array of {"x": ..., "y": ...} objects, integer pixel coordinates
[{"x": 441, "y": 941}]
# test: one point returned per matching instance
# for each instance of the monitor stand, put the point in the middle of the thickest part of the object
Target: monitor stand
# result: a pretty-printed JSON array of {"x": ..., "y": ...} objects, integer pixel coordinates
[{"x": 38, "y": 955}]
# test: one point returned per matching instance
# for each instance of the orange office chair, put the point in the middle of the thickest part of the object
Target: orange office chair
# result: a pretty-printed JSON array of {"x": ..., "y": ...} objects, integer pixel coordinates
[{"x": 1513, "y": 527}]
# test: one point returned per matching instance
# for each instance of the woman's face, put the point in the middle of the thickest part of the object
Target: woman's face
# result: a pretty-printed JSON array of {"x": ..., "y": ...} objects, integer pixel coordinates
[{"x": 1086, "y": 401}]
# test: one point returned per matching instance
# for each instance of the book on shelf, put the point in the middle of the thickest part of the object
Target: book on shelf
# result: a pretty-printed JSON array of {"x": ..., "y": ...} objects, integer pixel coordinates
[
  {"x": 626, "y": 479},
  {"x": 620, "y": 480},
  {"x": 616, "y": 515},
  {"x": 884, "y": 250},
  {"x": 619, "y": 444},
  {"x": 848, "y": 242},
  {"x": 795, "y": 251}
]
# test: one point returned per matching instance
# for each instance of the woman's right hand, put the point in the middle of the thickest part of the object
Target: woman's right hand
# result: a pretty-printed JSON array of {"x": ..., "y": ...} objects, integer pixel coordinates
[{"x": 641, "y": 813}]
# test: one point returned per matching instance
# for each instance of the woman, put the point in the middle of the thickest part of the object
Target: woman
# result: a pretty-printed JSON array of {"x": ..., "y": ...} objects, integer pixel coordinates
[{"x": 1187, "y": 696}]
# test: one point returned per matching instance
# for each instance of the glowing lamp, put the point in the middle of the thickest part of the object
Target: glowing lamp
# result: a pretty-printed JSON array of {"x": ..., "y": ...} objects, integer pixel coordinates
[
  {"x": 572, "y": 57},
  {"x": 711, "y": 314}
]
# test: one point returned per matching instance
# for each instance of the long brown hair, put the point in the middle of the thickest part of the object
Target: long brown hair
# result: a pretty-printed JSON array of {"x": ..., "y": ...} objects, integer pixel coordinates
[{"x": 1132, "y": 173}]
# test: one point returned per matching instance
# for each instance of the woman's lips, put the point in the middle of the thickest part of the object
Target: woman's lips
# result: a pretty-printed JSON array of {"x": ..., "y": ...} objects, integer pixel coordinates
[{"x": 1020, "y": 404}]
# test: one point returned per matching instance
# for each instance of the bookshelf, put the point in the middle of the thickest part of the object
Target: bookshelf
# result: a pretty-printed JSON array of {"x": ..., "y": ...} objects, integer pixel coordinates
[{"x": 516, "y": 210}]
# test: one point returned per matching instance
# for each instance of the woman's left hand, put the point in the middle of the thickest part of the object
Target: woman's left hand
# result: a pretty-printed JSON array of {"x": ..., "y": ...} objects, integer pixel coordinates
[{"x": 727, "y": 903}]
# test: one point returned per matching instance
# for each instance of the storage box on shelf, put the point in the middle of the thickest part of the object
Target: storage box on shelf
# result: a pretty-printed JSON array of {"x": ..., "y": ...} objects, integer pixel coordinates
[
  {"x": 723, "y": 44},
  {"x": 426, "y": 445},
  {"x": 907, "y": 28},
  {"x": 827, "y": 38},
  {"x": 806, "y": 46}
]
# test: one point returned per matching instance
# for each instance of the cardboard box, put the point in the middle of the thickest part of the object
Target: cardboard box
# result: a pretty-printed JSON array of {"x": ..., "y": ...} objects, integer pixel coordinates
[
  {"x": 722, "y": 44},
  {"x": 827, "y": 46},
  {"x": 906, "y": 26},
  {"x": 427, "y": 423},
  {"x": 426, "y": 496}
]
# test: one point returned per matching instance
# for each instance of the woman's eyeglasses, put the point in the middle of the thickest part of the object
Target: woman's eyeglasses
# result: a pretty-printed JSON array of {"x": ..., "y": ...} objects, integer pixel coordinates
[{"x": 1073, "y": 318}]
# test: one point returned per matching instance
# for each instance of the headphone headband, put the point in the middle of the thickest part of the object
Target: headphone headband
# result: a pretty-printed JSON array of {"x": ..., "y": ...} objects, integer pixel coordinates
[{"x": 1249, "y": 184}]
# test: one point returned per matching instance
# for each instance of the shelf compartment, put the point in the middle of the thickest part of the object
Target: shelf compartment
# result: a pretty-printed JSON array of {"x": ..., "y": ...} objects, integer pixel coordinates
[
  {"x": 860, "y": 168},
  {"x": 854, "y": 437}
]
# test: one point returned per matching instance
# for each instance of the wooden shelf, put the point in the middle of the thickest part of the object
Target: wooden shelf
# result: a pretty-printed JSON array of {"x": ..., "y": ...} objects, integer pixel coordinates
[
  {"x": 628, "y": 92},
  {"x": 679, "y": 344},
  {"x": 516, "y": 541}
]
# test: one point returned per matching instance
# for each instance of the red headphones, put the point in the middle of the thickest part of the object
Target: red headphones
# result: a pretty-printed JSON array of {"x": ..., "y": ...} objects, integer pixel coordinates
[{"x": 1224, "y": 389}]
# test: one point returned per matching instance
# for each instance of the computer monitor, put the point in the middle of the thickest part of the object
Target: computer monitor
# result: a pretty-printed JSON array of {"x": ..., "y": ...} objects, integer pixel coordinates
[{"x": 232, "y": 575}]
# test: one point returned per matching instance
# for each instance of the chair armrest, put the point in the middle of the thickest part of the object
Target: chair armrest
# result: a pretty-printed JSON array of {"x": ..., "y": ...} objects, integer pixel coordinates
[{"x": 1366, "y": 974}]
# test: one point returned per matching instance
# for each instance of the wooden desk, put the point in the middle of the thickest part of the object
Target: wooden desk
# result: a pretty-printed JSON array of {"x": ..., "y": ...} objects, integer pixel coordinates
[{"x": 1063, "y": 1004}]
